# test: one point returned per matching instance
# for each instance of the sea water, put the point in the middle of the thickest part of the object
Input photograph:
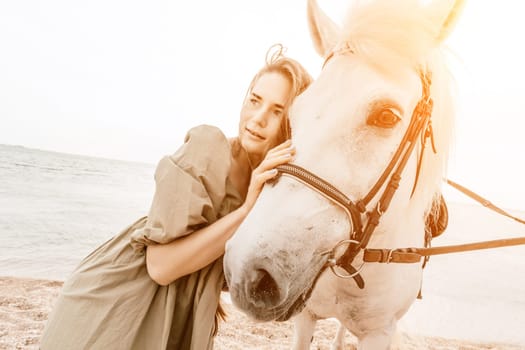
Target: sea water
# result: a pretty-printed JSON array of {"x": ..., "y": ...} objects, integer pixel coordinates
[{"x": 55, "y": 208}]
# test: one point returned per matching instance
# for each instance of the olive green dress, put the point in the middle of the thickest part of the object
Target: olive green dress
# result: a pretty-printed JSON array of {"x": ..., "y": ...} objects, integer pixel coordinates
[{"x": 110, "y": 302}]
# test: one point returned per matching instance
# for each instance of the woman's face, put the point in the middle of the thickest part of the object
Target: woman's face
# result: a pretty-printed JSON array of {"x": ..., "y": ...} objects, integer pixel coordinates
[{"x": 262, "y": 114}]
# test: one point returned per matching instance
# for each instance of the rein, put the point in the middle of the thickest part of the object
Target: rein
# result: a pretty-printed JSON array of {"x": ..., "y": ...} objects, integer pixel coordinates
[
  {"x": 414, "y": 255},
  {"x": 483, "y": 201}
]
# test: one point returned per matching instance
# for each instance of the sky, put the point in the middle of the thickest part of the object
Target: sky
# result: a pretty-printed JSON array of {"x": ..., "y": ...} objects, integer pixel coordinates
[{"x": 126, "y": 79}]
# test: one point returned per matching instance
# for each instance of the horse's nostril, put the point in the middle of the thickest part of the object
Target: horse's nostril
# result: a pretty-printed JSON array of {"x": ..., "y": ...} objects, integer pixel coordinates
[{"x": 264, "y": 289}]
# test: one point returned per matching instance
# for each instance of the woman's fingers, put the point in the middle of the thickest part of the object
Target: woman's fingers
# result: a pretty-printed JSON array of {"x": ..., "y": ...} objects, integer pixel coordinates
[
  {"x": 279, "y": 148},
  {"x": 265, "y": 176},
  {"x": 281, "y": 154},
  {"x": 278, "y": 155},
  {"x": 283, "y": 145},
  {"x": 272, "y": 162},
  {"x": 257, "y": 182}
]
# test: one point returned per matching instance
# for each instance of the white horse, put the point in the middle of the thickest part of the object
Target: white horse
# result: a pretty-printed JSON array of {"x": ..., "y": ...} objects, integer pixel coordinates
[{"x": 383, "y": 64}]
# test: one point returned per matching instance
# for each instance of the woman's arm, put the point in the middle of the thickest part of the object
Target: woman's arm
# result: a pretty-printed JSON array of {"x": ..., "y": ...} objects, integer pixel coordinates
[{"x": 168, "y": 262}]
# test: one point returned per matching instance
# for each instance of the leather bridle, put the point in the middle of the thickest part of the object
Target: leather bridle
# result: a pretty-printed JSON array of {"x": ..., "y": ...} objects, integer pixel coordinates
[
  {"x": 420, "y": 126},
  {"x": 360, "y": 231}
]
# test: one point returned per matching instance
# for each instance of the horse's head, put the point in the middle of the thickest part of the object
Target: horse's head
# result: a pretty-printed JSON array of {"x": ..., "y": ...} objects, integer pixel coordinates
[{"x": 346, "y": 128}]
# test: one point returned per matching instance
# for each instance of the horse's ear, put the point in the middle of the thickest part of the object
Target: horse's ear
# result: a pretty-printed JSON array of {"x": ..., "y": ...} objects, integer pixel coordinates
[
  {"x": 446, "y": 14},
  {"x": 323, "y": 31}
]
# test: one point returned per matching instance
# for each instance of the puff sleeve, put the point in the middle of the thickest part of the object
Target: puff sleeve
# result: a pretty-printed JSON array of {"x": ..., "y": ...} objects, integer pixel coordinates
[{"x": 190, "y": 186}]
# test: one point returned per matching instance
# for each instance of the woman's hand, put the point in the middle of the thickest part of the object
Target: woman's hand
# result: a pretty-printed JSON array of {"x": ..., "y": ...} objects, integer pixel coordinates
[{"x": 278, "y": 155}]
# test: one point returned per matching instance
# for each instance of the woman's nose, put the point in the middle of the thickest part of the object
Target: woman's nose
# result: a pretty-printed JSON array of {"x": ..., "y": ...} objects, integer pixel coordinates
[{"x": 259, "y": 117}]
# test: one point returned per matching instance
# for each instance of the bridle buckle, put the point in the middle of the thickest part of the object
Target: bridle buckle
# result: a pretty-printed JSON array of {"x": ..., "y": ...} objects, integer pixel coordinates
[{"x": 389, "y": 256}]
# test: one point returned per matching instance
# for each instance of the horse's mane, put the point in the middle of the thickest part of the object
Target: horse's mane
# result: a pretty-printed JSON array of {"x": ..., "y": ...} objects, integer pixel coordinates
[{"x": 401, "y": 33}]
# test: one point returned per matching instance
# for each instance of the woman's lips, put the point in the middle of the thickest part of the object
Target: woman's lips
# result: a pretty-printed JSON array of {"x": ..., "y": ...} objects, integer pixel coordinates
[{"x": 255, "y": 134}]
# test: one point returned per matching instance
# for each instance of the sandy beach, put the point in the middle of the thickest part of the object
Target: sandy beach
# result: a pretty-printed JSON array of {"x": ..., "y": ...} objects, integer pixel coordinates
[{"x": 25, "y": 304}]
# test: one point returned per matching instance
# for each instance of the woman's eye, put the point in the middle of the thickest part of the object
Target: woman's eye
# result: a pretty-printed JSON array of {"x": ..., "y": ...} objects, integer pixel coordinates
[
  {"x": 278, "y": 112},
  {"x": 254, "y": 101},
  {"x": 384, "y": 118}
]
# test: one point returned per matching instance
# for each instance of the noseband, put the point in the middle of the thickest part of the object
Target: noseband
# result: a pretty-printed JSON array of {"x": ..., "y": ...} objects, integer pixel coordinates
[{"x": 360, "y": 233}]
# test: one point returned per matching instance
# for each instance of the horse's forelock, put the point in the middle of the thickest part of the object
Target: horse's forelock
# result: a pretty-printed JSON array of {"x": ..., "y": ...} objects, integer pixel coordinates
[{"x": 390, "y": 33}]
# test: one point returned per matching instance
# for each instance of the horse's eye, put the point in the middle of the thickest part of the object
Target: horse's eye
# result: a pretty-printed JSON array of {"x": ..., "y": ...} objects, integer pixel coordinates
[{"x": 384, "y": 118}]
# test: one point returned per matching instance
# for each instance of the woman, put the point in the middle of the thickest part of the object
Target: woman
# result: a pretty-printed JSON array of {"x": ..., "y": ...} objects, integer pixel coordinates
[{"x": 157, "y": 284}]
